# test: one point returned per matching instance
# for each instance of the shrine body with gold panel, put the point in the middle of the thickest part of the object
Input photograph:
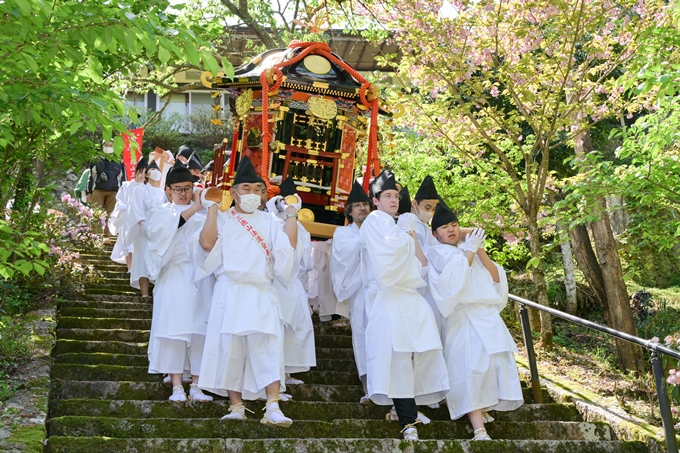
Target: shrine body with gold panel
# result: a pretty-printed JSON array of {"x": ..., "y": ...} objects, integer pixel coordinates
[{"x": 302, "y": 112}]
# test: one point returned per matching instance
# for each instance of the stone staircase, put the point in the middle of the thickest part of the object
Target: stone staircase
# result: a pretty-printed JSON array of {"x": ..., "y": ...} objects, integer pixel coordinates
[{"x": 103, "y": 400}]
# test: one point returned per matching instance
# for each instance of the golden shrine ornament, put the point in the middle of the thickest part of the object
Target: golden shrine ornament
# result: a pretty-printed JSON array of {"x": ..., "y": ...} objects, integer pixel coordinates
[
  {"x": 322, "y": 108},
  {"x": 317, "y": 64},
  {"x": 243, "y": 102}
]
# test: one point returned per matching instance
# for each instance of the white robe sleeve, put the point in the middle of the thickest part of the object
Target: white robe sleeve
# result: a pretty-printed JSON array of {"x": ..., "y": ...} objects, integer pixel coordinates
[
  {"x": 161, "y": 228},
  {"x": 391, "y": 253},
  {"x": 135, "y": 213},
  {"x": 449, "y": 274},
  {"x": 346, "y": 263},
  {"x": 286, "y": 265},
  {"x": 117, "y": 217}
]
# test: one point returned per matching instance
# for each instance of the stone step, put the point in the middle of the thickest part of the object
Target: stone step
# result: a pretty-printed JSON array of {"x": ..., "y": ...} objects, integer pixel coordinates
[
  {"x": 334, "y": 445},
  {"x": 127, "y": 390},
  {"x": 306, "y": 429},
  {"x": 144, "y": 312},
  {"x": 297, "y": 410},
  {"x": 140, "y": 348},
  {"x": 76, "y": 372},
  {"x": 117, "y": 291},
  {"x": 67, "y": 322},
  {"x": 104, "y": 305},
  {"x": 139, "y": 336},
  {"x": 103, "y": 358}
]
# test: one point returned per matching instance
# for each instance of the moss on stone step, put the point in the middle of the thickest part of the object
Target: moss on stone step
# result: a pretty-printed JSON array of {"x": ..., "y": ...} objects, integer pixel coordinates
[
  {"x": 99, "y": 304},
  {"x": 115, "y": 390},
  {"x": 106, "y": 313},
  {"x": 67, "y": 322},
  {"x": 103, "y": 358},
  {"x": 113, "y": 347},
  {"x": 137, "y": 336},
  {"x": 108, "y": 445},
  {"x": 253, "y": 429},
  {"x": 298, "y": 410}
]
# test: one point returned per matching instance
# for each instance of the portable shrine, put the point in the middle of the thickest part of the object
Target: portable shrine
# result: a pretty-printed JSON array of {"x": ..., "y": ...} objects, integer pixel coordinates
[{"x": 300, "y": 112}]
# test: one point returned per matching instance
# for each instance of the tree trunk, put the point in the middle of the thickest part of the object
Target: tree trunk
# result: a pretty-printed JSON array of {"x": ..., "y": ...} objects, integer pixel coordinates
[
  {"x": 619, "y": 313},
  {"x": 569, "y": 278},
  {"x": 587, "y": 262},
  {"x": 538, "y": 276}
]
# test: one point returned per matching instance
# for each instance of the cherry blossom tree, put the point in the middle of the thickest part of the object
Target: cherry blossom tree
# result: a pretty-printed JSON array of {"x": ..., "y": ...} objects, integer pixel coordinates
[{"x": 508, "y": 83}]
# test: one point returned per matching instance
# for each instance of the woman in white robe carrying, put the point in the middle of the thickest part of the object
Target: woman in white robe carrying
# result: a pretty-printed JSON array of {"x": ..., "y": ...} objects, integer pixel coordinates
[
  {"x": 470, "y": 291},
  {"x": 298, "y": 339},
  {"x": 348, "y": 272},
  {"x": 121, "y": 253},
  {"x": 143, "y": 198}
]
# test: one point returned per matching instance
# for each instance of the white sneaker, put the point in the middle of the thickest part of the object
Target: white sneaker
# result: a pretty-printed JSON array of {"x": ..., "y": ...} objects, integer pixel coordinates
[
  {"x": 293, "y": 381},
  {"x": 274, "y": 417},
  {"x": 365, "y": 399},
  {"x": 196, "y": 394},
  {"x": 237, "y": 412},
  {"x": 410, "y": 434},
  {"x": 178, "y": 395},
  {"x": 392, "y": 416}
]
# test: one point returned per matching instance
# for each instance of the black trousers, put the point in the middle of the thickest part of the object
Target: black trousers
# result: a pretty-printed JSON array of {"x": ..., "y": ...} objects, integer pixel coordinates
[{"x": 407, "y": 411}]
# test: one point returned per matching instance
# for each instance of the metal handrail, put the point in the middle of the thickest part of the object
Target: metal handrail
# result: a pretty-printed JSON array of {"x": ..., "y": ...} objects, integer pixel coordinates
[{"x": 652, "y": 346}]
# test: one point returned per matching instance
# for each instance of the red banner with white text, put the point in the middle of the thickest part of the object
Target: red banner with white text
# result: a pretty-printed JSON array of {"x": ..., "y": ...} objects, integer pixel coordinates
[{"x": 130, "y": 162}]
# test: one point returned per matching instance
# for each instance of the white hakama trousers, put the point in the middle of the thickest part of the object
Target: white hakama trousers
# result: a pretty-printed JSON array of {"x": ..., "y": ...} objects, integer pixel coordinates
[
  {"x": 240, "y": 363},
  {"x": 478, "y": 380},
  {"x": 392, "y": 374},
  {"x": 120, "y": 251},
  {"x": 298, "y": 338},
  {"x": 357, "y": 320},
  {"x": 176, "y": 356},
  {"x": 138, "y": 267},
  {"x": 177, "y": 334}
]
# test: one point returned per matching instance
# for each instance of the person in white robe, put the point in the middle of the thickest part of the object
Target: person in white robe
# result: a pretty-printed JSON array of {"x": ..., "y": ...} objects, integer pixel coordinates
[
  {"x": 143, "y": 198},
  {"x": 244, "y": 353},
  {"x": 470, "y": 291},
  {"x": 123, "y": 254},
  {"x": 298, "y": 339},
  {"x": 164, "y": 161},
  {"x": 178, "y": 321},
  {"x": 405, "y": 365},
  {"x": 322, "y": 298},
  {"x": 348, "y": 272}
]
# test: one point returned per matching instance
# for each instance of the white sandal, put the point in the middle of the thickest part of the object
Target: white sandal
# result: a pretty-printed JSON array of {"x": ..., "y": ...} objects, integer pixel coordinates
[
  {"x": 273, "y": 415},
  {"x": 481, "y": 434},
  {"x": 410, "y": 432},
  {"x": 392, "y": 416},
  {"x": 178, "y": 395},
  {"x": 196, "y": 394},
  {"x": 237, "y": 412}
]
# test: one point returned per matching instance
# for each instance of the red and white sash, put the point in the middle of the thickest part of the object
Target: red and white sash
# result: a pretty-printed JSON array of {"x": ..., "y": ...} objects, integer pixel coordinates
[{"x": 241, "y": 220}]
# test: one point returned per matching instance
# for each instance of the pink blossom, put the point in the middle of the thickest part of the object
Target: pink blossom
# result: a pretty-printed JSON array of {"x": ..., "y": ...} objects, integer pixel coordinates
[
  {"x": 668, "y": 340},
  {"x": 654, "y": 340},
  {"x": 494, "y": 91}
]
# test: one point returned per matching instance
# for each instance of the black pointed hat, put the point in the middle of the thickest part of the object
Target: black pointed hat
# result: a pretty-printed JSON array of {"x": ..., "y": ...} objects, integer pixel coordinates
[
  {"x": 287, "y": 187},
  {"x": 442, "y": 216},
  {"x": 152, "y": 165},
  {"x": 142, "y": 164},
  {"x": 384, "y": 181},
  {"x": 356, "y": 195},
  {"x": 405, "y": 202},
  {"x": 194, "y": 163},
  {"x": 178, "y": 173},
  {"x": 246, "y": 172},
  {"x": 185, "y": 151},
  {"x": 209, "y": 166},
  {"x": 427, "y": 190}
]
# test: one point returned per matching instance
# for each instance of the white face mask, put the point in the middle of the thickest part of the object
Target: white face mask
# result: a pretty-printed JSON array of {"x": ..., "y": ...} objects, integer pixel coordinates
[
  {"x": 154, "y": 174},
  {"x": 424, "y": 216},
  {"x": 249, "y": 202},
  {"x": 108, "y": 149}
]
